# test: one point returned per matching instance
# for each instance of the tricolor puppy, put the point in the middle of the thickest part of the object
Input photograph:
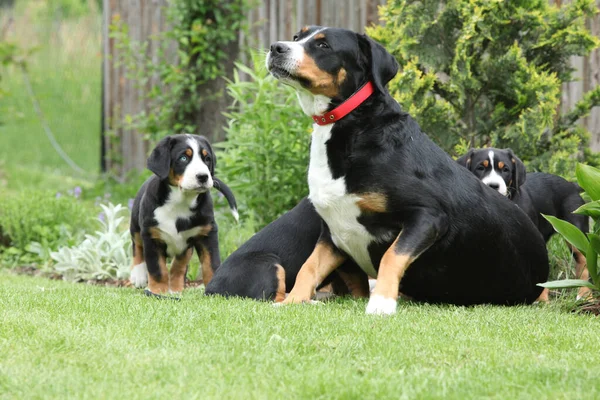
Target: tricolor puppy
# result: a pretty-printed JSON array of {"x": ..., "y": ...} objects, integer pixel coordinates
[
  {"x": 535, "y": 193},
  {"x": 266, "y": 266},
  {"x": 173, "y": 213},
  {"x": 390, "y": 199}
]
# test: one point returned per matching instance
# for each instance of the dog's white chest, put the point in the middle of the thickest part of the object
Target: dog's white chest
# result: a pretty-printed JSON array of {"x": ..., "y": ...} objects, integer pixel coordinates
[
  {"x": 166, "y": 215},
  {"x": 338, "y": 208}
]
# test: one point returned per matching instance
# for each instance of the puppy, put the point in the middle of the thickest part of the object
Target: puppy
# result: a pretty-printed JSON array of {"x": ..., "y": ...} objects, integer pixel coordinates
[
  {"x": 391, "y": 200},
  {"x": 173, "y": 213},
  {"x": 268, "y": 263},
  {"x": 535, "y": 193}
]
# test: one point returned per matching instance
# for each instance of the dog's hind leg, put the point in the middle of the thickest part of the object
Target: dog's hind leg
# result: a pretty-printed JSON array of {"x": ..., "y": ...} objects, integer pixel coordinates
[
  {"x": 207, "y": 248},
  {"x": 581, "y": 272},
  {"x": 178, "y": 270},
  {"x": 138, "y": 276},
  {"x": 416, "y": 236}
]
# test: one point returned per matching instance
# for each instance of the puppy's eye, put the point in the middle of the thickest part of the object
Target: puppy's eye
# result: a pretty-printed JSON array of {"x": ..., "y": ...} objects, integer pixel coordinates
[
  {"x": 323, "y": 45},
  {"x": 183, "y": 158},
  {"x": 295, "y": 38}
]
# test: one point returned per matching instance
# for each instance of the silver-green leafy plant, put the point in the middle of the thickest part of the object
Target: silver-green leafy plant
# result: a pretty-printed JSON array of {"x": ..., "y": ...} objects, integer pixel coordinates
[
  {"x": 588, "y": 243},
  {"x": 106, "y": 254}
]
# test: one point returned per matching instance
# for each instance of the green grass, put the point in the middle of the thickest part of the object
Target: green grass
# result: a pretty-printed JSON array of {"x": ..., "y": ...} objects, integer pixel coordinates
[{"x": 61, "y": 340}]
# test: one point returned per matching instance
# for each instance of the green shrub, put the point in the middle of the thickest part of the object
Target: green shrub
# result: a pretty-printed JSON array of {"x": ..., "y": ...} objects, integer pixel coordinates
[
  {"x": 33, "y": 220},
  {"x": 265, "y": 157},
  {"x": 480, "y": 72},
  {"x": 105, "y": 254}
]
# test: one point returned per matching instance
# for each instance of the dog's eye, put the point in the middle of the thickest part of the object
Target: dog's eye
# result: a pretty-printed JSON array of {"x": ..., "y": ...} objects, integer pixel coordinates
[
  {"x": 295, "y": 38},
  {"x": 480, "y": 167},
  {"x": 183, "y": 158},
  {"x": 323, "y": 45},
  {"x": 505, "y": 169}
]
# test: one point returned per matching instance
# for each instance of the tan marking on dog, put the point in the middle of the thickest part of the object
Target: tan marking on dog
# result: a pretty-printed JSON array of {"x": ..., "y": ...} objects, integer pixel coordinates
[
  {"x": 205, "y": 230},
  {"x": 341, "y": 76},
  {"x": 581, "y": 271},
  {"x": 372, "y": 202},
  {"x": 138, "y": 250},
  {"x": 323, "y": 260},
  {"x": 304, "y": 30},
  {"x": 543, "y": 297},
  {"x": 206, "y": 264},
  {"x": 280, "y": 293},
  {"x": 357, "y": 283},
  {"x": 319, "y": 36},
  {"x": 322, "y": 82},
  {"x": 189, "y": 152},
  {"x": 468, "y": 162},
  {"x": 204, "y": 152},
  {"x": 178, "y": 269},
  {"x": 391, "y": 270},
  {"x": 155, "y": 233},
  {"x": 174, "y": 179},
  {"x": 500, "y": 164},
  {"x": 513, "y": 161},
  {"x": 160, "y": 286},
  {"x": 486, "y": 163}
]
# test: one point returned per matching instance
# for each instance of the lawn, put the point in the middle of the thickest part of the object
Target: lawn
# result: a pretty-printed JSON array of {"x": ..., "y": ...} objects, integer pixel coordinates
[{"x": 64, "y": 340}]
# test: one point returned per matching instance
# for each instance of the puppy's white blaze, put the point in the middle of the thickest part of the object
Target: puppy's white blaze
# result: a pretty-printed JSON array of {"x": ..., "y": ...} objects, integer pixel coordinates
[
  {"x": 337, "y": 207},
  {"x": 380, "y": 305},
  {"x": 194, "y": 168},
  {"x": 139, "y": 275},
  {"x": 178, "y": 205},
  {"x": 494, "y": 178}
]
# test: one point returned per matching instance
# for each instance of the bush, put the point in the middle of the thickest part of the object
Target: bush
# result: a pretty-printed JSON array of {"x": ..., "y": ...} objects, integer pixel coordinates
[
  {"x": 478, "y": 72},
  {"x": 106, "y": 254},
  {"x": 265, "y": 158},
  {"x": 32, "y": 220}
]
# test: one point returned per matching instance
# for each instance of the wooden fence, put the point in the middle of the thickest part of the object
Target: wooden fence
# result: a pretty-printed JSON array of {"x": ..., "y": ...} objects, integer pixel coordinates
[{"x": 272, "y": 20}]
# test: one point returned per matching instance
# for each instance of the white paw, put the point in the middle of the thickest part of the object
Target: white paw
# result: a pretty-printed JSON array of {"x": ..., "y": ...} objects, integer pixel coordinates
[
  {"x": 381, "y": 306},
  {"x": 139, "y": 275}
]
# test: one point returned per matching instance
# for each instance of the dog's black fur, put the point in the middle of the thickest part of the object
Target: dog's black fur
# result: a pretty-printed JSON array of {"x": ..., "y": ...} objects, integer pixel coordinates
[
  {"x": 535, "y": 193},
  {"x": 267, "y": 264},
  {"x": 191, "y": 216},
  {"x": 467, "y": 244}
]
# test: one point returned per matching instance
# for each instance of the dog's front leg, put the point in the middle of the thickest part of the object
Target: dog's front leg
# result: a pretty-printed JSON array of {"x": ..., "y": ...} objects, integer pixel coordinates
[
  {"x": 156, "y": 262},
  {"x": 417, "y": 236},
  {"x": 207, "y": 248},
  {"x": 324, "y": 259}
]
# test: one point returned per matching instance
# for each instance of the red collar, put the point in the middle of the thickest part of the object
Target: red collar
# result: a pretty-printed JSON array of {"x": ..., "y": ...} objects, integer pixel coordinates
[{"x": 346, "y": 107}]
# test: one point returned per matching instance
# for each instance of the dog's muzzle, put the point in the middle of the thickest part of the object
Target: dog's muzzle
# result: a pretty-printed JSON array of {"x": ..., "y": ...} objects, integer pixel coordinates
[{"x": 278, "y": 60}]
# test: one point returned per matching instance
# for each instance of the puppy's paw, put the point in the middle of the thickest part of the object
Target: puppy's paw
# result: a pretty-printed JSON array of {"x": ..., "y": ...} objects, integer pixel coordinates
[
  {"x": 380, "y": 305},
  {"x": 139, "y": 275}
]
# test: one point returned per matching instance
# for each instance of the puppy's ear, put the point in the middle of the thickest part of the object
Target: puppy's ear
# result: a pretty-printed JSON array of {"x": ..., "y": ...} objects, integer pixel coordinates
[
  {"x": 159, "y": 161},
  {"x": 206, "y": 144},
  {"x": 465, "y": 160},
  {"x": 519, "y": 172},
  {"x": 383, "y": 66}
]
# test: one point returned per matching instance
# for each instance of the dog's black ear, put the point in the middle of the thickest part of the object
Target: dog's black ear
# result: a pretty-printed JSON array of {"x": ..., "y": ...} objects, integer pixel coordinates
[
  {"x": 159, "y": 161},
  {"x": 465, "y": 160},
  {"x": 211, "y": 153},
  {"x": 382, "y": 64},
  {"x": 519, "y": 172}
]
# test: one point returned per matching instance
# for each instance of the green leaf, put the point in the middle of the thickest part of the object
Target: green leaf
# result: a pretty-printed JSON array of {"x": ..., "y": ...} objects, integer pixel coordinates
[
  {"x": 591, "y": 209},
  {"x": 566, "y": 284},
  {"x": 589, "y": 179},
  {"x": 592, "y": 257},
  {"x": 570, "y": 232}
]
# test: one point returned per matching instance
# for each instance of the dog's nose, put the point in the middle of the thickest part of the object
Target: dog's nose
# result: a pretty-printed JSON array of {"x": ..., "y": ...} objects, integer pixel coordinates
[
  {"x": 279, "y": 48},
  {"x": 494, "y": 186},
  {"x": 202, "y": 178}
]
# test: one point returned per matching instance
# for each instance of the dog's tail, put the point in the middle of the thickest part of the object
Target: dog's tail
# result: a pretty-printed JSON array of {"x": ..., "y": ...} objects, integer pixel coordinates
[{"x": 223, "y": 188}]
